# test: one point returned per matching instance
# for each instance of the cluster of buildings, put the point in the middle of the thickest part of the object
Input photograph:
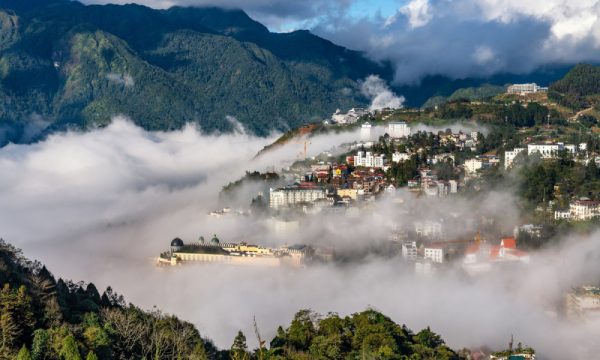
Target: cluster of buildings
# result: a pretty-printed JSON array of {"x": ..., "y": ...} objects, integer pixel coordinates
[
  {"x": 579, "y": 210},
  {"x": 523, "y": 89},
  {"x": 331, "y": 185},
  {"x": 460, "y": 140},
  {"x": 351, "y": 117},
  {"x": 546, "y": 151},
  {"x": 231, "y": 253},
  {"x": 474, "y": 165},
  {"x": 481, "y": 257},
  {"x": 429, "y": 184}
]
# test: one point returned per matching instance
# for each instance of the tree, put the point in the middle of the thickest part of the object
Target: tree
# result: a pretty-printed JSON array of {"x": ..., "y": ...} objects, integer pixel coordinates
[
  {"x": 69, "y": 349},
  {"x": 302, "y": 330},
  {"x": 91, "y": 356},
  {"x": 239, "y": 349},
  {"x": 24, "y": 354},
  {"x": 41, "y": 344},
  {"x": 428, "y": 338}
]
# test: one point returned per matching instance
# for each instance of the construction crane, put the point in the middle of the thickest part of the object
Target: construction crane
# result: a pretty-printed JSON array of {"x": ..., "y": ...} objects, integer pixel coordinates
[
  {"x": 476, "y": 239},
  {"x": 305, "y": 143}
]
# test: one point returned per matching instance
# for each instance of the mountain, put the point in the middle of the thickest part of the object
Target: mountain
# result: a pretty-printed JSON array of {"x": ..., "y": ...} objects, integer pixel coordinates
[{"x": 65, "y": 64}]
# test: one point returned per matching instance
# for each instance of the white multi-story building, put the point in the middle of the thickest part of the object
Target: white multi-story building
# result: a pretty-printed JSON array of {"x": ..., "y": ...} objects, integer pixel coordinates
[
  {"x": 365, "y": 131},
  {"x": 398, "y": 157},
  {"x": 368, "y": 159},
  {"x": 293, "y": 195},
  {"x": 584, "y": 209},
  {"x": 435, "y": 253},
  {"x": 549, "y": 151},
  {"x": 431, "y": 229},
  {"x": 409, "y": 250},
  {"x": 473, "y": 165},
  {"x": 509, "y": 156},
  {"x": 525, "y": 89},
  {"x": 453, "y": 184},
  {"x": 398, "y": 130}
]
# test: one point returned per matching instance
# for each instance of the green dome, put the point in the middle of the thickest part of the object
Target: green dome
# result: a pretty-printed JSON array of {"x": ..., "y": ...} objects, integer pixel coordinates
[{"x": 215, "y": 240}]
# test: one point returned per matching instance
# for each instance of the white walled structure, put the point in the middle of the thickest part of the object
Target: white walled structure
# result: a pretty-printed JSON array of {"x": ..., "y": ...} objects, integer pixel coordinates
[
  {"x": 365, "y": 131},
  {"x": 509, "y": 156},
  {"x": 436, "y": 254},
  {"x": 398, "y": 130},
  {"x": 288, "y": 196}
]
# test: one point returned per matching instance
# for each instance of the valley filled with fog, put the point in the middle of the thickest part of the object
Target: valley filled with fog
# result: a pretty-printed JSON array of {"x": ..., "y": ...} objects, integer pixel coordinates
[{"x": 100, "y": 206}]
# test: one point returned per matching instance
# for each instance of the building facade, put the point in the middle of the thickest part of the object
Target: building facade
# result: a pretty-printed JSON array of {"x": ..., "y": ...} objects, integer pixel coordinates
[
  {"x": 294, "y": 195},
  {"x": 434, "y": 253},
  {"x": 526, "y": 89},
  {"x": 398, "y": 130},
  {"x": 509, "y": 156}
]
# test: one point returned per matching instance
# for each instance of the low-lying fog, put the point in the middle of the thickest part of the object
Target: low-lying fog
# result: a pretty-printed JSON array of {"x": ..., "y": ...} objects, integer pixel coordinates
[{"x": 100, "y": 206}]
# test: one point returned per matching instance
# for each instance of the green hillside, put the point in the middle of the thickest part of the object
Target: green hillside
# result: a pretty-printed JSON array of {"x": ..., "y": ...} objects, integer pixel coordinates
[
  {"x": 77, "y": 65},
  {"x": 579, "y": 89}
]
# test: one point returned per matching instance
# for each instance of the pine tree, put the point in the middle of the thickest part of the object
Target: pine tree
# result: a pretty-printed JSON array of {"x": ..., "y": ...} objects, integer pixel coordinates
[
  {"x": 24, "y": 354},
  {"x": 91, "y": 356},
  {"x": 41, "y": 344},
  {"x": 239, "y": 349},
  {"x": 69, "y": 349}
]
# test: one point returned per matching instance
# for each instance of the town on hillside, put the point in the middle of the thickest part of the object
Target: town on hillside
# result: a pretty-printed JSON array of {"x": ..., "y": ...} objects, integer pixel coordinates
[{"x": 519, "y": 140}]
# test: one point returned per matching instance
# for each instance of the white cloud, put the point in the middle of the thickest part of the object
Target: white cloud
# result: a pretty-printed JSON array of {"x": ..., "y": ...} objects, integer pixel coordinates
[
  {"x": 436, "y": 36},
  {"x": 380, "y": 94},
  {"x": 98, "y": 206},
  {"x": 417, "y": 12}
]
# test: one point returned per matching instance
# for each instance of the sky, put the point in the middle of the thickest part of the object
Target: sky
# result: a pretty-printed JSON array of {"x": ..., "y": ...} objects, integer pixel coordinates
[{"x": 459, "y": 39}]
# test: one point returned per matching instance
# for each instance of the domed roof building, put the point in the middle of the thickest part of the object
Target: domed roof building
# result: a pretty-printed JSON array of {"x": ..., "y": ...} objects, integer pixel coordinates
[
  {"x": 176, "y": 244},
  {"x": 215, "y": 241}
]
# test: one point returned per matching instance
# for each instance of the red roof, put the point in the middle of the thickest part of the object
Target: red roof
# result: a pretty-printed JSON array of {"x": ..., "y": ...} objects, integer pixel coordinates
[
  {"x": 509, "y": 243},
  {"x": 472, "y": 249}
]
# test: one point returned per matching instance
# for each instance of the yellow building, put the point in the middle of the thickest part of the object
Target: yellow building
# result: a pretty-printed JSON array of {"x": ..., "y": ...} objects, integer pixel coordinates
[{"x": 351, "y": 193}]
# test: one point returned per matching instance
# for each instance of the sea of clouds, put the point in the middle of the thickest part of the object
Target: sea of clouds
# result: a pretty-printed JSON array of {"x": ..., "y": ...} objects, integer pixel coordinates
[{"x": 100, "y": 206}]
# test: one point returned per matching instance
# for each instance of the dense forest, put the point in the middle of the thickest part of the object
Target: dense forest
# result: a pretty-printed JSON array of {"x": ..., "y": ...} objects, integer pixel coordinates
[
  {"x": 77, "y": 66},
  {"x": 579, "y": 89},
  {"x": 45, "y": 318}
]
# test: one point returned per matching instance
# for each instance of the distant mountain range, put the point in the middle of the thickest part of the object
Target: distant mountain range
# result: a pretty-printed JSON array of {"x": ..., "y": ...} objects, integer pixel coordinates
[{"x": 64, "y": 64}]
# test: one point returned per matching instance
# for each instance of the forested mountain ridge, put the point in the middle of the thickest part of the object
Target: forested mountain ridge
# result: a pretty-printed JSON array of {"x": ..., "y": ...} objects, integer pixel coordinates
[
  {"x": 45, "y": 318},
  {"x": 66, "y": 64},
  {"x": 579, "y": 88}
]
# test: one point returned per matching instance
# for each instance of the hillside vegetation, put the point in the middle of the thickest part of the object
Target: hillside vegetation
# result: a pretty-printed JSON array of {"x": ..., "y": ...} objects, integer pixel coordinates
[
  {"x": 75, "y": 65},
  {"x": 579, "y": 89}
]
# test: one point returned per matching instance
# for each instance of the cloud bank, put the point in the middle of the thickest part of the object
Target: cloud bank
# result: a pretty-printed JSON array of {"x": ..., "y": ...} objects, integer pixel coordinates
[
  {"x": 101, "y": 205},
  {"x": 374, "y": 88}
]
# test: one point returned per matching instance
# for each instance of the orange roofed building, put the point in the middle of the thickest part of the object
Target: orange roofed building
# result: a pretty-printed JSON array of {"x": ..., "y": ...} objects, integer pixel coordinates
[{"x": 481, "y": 257}]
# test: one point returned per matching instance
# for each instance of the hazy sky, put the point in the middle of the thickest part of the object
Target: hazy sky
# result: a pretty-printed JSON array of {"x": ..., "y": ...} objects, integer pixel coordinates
[{"x": 458, "y": 38}]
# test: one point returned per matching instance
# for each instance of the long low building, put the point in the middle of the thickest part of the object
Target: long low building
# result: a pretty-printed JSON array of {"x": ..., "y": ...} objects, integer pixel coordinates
[
  {"x": 295, "y": 195},
  {"x": 231, "y": 253}
]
